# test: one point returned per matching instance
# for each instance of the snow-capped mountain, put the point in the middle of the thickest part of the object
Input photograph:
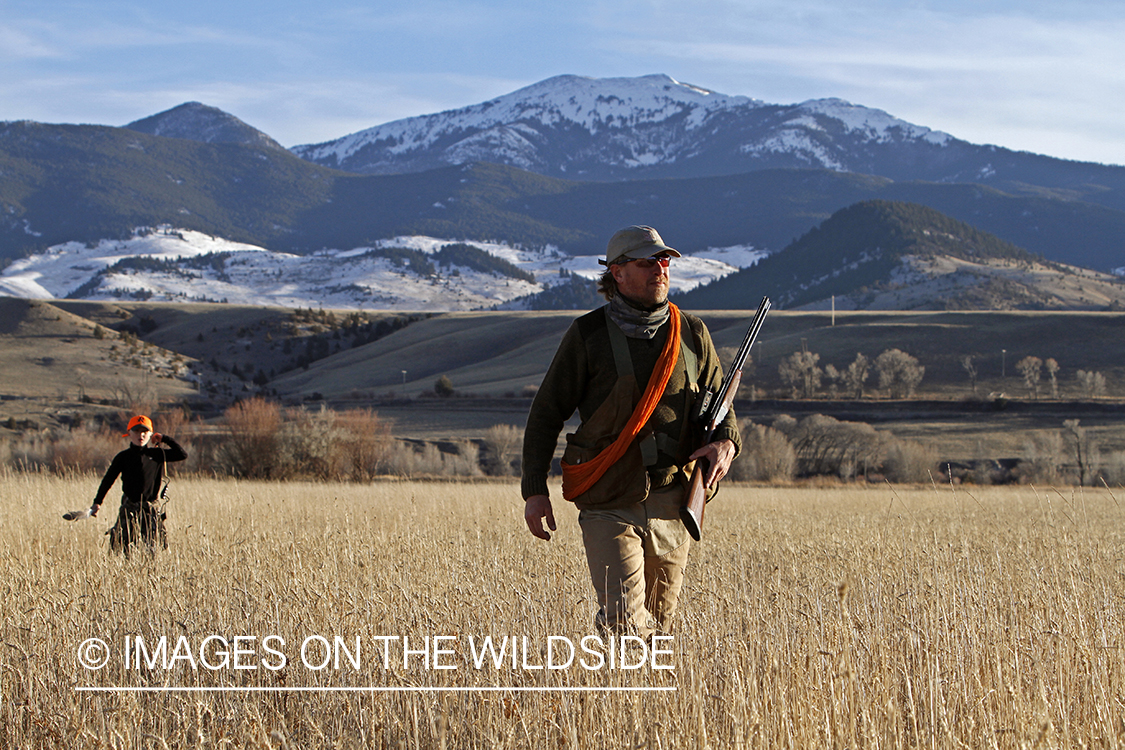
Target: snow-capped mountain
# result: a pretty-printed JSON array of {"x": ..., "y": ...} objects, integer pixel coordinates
[
  {"x": 403, "y": 273},
  {"x": 198, "y": 122},
  {"x": 733, "y": 172},
  {"x": 612, "y": 128}
]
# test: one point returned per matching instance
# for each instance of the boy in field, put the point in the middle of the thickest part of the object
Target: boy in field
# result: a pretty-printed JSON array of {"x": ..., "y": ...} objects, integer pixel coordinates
[{"x": 141, "y": 468}]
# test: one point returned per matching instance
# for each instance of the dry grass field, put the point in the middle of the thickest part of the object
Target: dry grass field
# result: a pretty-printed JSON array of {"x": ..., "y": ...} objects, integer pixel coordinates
[{"x": 879, "y": 617}]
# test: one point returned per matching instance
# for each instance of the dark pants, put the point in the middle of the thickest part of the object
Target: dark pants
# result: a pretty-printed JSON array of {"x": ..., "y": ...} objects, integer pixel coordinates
[{"x": 140, "y": 523}]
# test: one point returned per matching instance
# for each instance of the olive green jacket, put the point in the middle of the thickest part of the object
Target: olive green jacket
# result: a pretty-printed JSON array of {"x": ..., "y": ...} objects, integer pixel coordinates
[{"x": 583, "y": 376}]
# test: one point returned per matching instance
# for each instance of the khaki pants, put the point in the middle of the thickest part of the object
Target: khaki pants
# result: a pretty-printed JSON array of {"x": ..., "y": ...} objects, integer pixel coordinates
[{"x": 637, "y": 557}]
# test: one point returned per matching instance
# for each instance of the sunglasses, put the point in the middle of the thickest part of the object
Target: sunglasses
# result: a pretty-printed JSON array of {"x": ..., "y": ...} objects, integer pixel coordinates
[{"x": 648, "y": 262}]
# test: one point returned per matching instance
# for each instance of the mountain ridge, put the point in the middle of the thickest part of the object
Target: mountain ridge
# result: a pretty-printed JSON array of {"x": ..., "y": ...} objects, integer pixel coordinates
[
  {"x": 886, "y": 255},
  {"x": 619, "y": 118},
  {"x": 61, "y": 183},
  {"x": 209, "y": 172},
  {"x": 199, "y": 122},
  {"x": 610, "y": 129}
]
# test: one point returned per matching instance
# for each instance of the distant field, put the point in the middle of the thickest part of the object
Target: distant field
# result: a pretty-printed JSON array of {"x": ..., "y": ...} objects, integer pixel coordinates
[
  {"x": 868, "y": 617},
  {"x": 50, "y": 359},
  {"x": 492, "y": 353}
]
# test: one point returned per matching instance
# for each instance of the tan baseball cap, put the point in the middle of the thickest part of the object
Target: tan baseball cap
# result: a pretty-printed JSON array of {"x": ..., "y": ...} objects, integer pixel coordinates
[{"x": 635, "y": 242}]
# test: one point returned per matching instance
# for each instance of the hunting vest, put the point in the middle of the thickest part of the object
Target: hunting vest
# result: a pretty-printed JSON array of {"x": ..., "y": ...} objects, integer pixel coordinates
[{"x": 628, "y": 480}]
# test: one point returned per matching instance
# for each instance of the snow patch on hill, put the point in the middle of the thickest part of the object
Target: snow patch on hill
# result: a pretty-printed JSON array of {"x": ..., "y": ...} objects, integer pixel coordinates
[
  {"x": 63, "y": 269},
  {"x": 873, "y": 124},
  {"x": 588, "y": 103},
  {"x": 574, "y": 126},
  {"x": 185, "y": 266},
  {"x": 947, "y": 283}
]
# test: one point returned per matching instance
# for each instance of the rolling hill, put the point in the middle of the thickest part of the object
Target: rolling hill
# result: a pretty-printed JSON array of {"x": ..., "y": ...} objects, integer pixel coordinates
[
  {"x": 198, "y": 122},
  {"x": 884, "y": 255},
  {"x": 361, "y": 356},
  {"x": 59, "y": 372}
]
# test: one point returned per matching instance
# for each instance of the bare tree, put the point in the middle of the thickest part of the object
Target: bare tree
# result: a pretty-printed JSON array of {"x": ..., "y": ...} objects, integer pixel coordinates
[
  {"x": 1031, "y": 368},
  {"x": 251, "y": 450},
  {"x": 308, "y": 444},
  {"x": 971, "y": 369},
  {"x": 368, "y": 443},
  {"x": 1092, "y": 383},
  {"x": 1052, "y": 373},
  {"x": 800, "y": 372},
  {"x": 767, "y": 455},
  {"x": 1086, "y": 453},
  {"x": 501, "y": 441},
  {"x": 135, "y": 396},
  {"x": 833, "y": 376},
  {"x": 81, "y": 379},
  {"x": 856, "y": 375},
  {"x": 786, "y": 425},
  {"x": 825, "y": 445},
  {"x": 1043, "y": 457},
  {"x": 908, "y": 461},
  {"x": 899, "y": 373}
]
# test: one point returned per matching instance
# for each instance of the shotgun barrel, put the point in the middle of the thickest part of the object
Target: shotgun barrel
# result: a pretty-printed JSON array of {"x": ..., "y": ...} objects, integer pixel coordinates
[{"x": 716, "y": 407}]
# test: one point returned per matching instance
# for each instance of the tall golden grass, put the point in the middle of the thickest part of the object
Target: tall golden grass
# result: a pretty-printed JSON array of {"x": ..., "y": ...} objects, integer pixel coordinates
[{"x": 883, "y": 617}]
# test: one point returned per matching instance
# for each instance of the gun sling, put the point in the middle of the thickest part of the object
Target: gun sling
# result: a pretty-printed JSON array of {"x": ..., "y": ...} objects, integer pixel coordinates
[{"x": 578, "y": 478}]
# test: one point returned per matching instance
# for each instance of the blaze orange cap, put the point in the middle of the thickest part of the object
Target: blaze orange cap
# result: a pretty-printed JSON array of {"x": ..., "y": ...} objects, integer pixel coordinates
[{"x": 138, "y": 421}]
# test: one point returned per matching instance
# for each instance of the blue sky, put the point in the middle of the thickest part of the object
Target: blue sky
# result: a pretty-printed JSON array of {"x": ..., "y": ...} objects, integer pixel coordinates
[{"x": 1035, "y": 76}]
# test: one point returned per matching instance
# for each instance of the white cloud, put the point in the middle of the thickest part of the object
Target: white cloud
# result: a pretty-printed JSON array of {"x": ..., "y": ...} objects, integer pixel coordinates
[
  {"x": 18, "y": 43},
  {"x": 1051, "y": 86}
]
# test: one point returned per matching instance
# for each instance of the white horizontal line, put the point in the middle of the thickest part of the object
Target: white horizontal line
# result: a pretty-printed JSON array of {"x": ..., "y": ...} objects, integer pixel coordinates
[{"x": 373, "y": 689}]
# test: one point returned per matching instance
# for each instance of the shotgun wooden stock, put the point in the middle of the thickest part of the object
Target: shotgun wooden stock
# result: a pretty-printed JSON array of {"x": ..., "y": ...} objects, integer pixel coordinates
[{"x": 695, "y": 502}]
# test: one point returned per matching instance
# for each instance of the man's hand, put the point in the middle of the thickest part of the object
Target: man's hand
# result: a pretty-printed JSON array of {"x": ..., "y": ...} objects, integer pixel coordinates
[
  {"x": 718, "y": 456},
  {"x": 155, "y": 439},
  {"x": 535, "y": 510}
]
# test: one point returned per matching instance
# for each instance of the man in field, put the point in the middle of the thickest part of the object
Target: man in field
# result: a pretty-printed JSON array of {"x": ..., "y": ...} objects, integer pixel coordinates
[
  {"x": 632, "y": 370},
  {"x": 141, "y": 468}
]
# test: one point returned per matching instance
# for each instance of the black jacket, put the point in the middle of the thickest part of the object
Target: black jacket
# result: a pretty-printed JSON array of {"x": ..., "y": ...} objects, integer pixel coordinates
[{"x": 140, "y": 472}]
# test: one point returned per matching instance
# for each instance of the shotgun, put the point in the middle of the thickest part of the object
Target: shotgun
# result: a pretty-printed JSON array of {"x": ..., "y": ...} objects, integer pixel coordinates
[{"x": 712, "y": 409}]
